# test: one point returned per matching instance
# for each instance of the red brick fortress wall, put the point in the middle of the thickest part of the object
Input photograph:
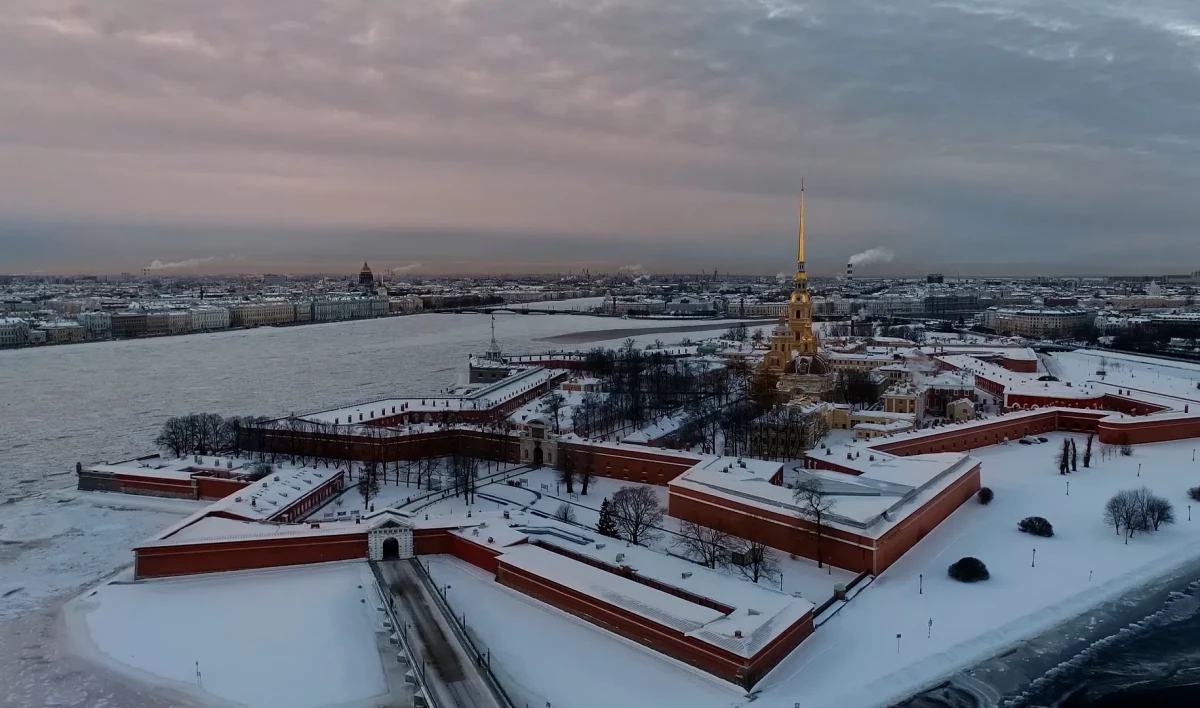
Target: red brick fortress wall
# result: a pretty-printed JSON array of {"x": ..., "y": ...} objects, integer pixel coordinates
[
  {"x": 668, "y": 641},
  {"x": 1136, "y": 431},
  {"x": 157, "y": 562},
  {"x": 630, "y": 463}
]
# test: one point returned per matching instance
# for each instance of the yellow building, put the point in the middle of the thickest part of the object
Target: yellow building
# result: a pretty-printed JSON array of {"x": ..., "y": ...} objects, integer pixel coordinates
[{"x": 795, "y": 348}]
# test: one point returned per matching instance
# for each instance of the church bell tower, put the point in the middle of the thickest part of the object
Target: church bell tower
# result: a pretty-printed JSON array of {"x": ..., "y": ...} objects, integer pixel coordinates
[{"x": 800, "y": 311}]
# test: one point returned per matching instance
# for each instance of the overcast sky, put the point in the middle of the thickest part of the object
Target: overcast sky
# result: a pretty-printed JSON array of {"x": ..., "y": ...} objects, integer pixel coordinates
[{"x": 972, "y": 136}]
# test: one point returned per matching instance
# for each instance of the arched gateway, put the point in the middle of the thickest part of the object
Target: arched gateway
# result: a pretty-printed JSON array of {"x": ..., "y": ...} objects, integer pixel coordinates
[{"x": 390, "y": 540}]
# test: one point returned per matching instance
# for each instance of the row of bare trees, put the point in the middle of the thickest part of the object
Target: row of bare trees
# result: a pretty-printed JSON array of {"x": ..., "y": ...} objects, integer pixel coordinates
[
  {"x": 576, "y": 466},
  {"x": 716, "y": 549},
  {"x": 644, "y": 386},
  {"x": 204, "y": 434},
  {"x": 1134, "y": 510}
]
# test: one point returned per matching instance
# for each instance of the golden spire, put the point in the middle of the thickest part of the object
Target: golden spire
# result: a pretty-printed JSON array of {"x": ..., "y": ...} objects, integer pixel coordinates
[{"x": 800, "y": 273}]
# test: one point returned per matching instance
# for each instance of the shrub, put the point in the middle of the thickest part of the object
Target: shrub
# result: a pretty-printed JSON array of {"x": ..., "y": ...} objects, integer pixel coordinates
[
  {"x": 969, "y": 570},
  {"x": 1194, "y": 493},
  {"x": 1126, "y": 450},
  {"x": 1036, "y": 525},
  {"x": 565, "y": 512},
  {"x": 986, "y": 495}
]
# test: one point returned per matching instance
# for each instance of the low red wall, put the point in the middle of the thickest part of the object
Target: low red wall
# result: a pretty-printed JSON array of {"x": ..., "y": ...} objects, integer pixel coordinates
[
  {"x": 213, "y": 488},
  {"x": 157, "y": 486},
  {"x": 156, "y": 562},
  {"x": 908, "y": 533},
  {"x": 793, "y": 534},
  {"x": 790, "y": 534},
  {"x": 716, "y": 661},
  {"x": 363, "y": 448},
  {"x": 477, "y": 554},
  {"x": 952, "y": 438},
  {"x": 1025, "y": 366},
  {"x": 1135, "y": 431},
  {"x": 635, "y": 465}
]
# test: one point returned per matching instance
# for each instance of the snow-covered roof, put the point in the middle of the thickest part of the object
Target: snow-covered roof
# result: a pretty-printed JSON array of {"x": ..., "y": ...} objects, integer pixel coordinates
[
  {"x": 897, "y": 426},
  {"x": 1020, "y": 383},
  {"x": 481, "y": 399},
  {"x": 887, "y": 483},
  {"x": 203, "y": 528},
  {"x": 174, "y": 468},
  {"x": 759, "y": 613},
  {"x": 652, "y": 604},
  {"x": 1008, "y": 352},
  {"x": 275, "y": 493}
]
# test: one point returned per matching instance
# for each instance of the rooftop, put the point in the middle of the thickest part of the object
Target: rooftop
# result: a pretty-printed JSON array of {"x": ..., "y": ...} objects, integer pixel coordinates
[
  {"x": 759, "y": 613},
  {"x": 885, "y": 483}
]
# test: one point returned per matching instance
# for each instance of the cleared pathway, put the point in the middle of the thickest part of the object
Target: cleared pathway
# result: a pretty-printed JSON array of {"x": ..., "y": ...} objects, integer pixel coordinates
[{"x": 453, "y": 678}]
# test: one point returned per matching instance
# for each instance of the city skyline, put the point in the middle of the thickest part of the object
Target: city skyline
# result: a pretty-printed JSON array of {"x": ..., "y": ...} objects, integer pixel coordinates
[{"x": 975, "y": 137}]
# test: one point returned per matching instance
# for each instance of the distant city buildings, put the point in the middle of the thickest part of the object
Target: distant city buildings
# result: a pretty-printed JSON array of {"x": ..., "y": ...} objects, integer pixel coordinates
[
  {"x": 1037, "y": 323},
  {"x": 1155, "y": 309}
]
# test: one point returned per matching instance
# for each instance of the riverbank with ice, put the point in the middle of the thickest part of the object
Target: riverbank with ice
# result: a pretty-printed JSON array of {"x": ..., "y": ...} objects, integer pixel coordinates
[{"x": 1052, "y": 667}]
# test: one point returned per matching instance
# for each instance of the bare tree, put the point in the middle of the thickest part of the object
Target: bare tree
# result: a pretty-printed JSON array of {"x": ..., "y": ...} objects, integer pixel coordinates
[
  {"x": 175, "y": 437},
  {"x": 637, "y": 513},
  {"x": 565, "y": 512},
  {"x": 464, "y": 473},
  {"x": 552, "y": 403},
  {"x": 1159, "y": 511},
  {"x": 587, "y": 469},
  {"x": 208, "y": 430},
  {"x": 1115, "y": 510},
  {"x": 815, "y": 506},
  {"x": 708, "y": 547},
  {"x": 756, "y": 561},
  {"x": 566, "y": 474},
  {"x": 368, "y": 483}
]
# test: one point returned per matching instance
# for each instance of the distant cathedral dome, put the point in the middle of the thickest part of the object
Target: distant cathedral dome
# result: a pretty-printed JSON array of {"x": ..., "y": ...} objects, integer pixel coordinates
[{"x": 365, "y": 276}]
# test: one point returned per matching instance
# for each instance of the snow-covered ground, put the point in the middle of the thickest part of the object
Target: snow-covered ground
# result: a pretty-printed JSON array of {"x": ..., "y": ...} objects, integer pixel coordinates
[
  {"x": 546, "y": 657},
  {"x": 397, "y": 494},
  {"x": 1160, "y": 376},
  {"x": 854, "y": 659},
  {"x": 291, "y": 638}
]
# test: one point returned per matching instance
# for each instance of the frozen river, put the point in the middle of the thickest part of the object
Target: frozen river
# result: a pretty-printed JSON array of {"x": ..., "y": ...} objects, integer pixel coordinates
[{"x": 105, "y": 401}]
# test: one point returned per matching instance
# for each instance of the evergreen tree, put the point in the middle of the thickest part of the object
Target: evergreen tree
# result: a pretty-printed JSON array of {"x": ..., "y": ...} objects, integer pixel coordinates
[
  {"x": 606, "y": 526},
  {"x": 1074, "y": 456},
  {"x": 1087, "y": 453}
]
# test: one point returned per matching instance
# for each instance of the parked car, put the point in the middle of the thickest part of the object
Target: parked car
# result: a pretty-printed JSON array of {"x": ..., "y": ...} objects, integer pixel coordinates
[{"x": 1024, "y": 441}]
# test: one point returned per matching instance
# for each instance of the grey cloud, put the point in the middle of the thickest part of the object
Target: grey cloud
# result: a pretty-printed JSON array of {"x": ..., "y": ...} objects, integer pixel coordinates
[{"x": 1061, "y": 134}]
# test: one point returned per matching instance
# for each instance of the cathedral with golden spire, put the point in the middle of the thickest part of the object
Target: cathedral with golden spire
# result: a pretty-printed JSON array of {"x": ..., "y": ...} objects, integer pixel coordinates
[{"x": 795, "y": 349}]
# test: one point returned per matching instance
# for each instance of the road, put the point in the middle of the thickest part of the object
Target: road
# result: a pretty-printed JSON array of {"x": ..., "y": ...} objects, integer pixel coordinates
[{"x": 453, "y": 678}]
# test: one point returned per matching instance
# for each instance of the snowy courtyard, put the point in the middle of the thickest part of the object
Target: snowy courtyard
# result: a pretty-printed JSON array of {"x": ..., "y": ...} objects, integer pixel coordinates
[
  {"x": 293, "y": 638},
  {"x": 855, "y": 659},
  {"x": 544, "y": 656}
]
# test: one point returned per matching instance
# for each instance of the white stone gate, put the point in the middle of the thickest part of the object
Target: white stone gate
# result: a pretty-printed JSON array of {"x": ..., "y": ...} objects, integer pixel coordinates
[{"x": 381, "y": 538}]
